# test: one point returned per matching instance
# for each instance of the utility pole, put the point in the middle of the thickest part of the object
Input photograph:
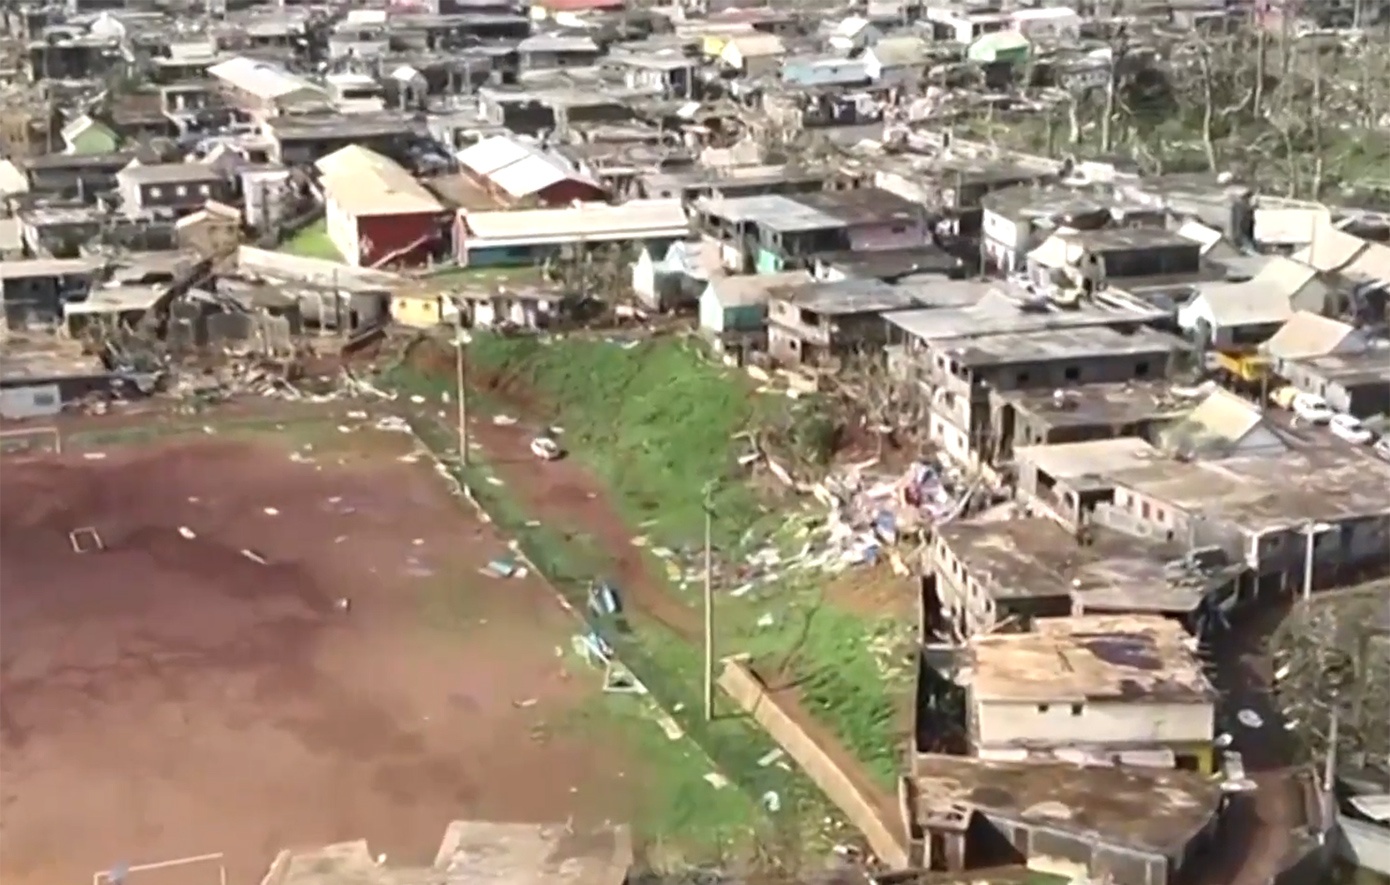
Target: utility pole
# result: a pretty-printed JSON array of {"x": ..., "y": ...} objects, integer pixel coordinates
[
  {"x": 1311, "y": 529},
  {"x": 709, "y": 603},
  {"x": 1311, "y": 542},
  {"x": 461, "y": 389}
]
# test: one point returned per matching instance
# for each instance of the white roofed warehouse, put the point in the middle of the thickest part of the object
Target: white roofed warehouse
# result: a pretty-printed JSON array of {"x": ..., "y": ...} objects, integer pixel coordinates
[
  {"x": 377, "y": 214},
  {"x": 520, "y": 238}
]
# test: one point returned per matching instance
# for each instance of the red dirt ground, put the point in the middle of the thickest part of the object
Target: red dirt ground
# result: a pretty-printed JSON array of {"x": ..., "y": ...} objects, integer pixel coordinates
[{"x": 169, "y": 697}]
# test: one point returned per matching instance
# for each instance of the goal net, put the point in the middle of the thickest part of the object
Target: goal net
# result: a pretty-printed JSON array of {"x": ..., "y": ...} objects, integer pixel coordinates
[
  {"x": 200, "y": 869},
  {"x": 30, "y": 441}
]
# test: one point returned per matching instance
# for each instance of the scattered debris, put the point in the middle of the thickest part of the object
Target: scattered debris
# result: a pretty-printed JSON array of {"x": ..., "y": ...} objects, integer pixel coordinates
[
  {"x": 86, "y": 540},
  {"x": 499, "y": 568},
  {"x": 270, "y": 511},
  {"x": 343, "y": 604},
  {"x": 716, "y": 780},
  {"x": 187, "y": 532},
  {"x": 254, "y": 556},
  {"x": 771, "y": 756},
  {"x": 546, "y": 449}
]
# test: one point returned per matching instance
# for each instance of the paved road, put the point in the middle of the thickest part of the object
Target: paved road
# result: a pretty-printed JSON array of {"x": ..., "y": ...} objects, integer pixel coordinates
[{"x": 1260, "y": 825}]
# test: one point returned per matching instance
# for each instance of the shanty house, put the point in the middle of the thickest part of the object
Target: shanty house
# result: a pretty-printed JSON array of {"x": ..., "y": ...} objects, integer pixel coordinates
[
  {"x": 543, "y": 9},
  {"x": 519, "y": 238},
  {"x": 34, "y": 290},
  {"x": 1308, "y": 335},
  {"x": 769, "y": 233},
  {"x": 548, "y": 51},
  {"x": 377, "y": 213},
  {"x": 83, "y": 135},
  {"x": 733, "y": 310},
  {"x": 753, "y": 54},
  {"x": 1222, "y": 425},
  {"x": 517, "y": 172},
  {"x": 178, "y": 186},
  {"x": 214, "y": 230},
  {"x": 1228, "y": 315},
  {"x": 1356, "y": 383},
  {"x": 852, "y": 34},
  {"x": 897, "y": 59},
  {"x": 874, "y": 219},
  {"x": 1111, "y": 687},
  {"x": 678, "y": 277},
  {"x": 266, "y": 89}
]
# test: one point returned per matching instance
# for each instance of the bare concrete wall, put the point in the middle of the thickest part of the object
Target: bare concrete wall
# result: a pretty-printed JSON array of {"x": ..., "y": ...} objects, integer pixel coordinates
[
  {"x": 314, "y": 271},
  {"x": 886, "y": 836}
]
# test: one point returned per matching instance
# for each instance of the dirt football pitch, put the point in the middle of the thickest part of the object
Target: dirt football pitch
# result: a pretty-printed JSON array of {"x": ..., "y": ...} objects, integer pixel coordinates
[{"x": 194, "y": 686}]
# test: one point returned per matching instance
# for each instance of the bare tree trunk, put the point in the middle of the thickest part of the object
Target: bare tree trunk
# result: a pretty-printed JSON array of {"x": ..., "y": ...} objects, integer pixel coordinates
[
  {"x": 1261, "y": 60},
  {"x": 1108, "y": 118},
  {"x": 1208, "y": 106},
  {"x": 1319, "y": 147}
]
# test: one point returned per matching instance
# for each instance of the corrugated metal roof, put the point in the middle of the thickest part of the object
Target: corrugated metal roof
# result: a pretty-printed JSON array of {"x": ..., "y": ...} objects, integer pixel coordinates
[
  {"x": 491, "y": 154},
  {"x": 518, "y": 168},
  {"x": 589, "y": 221},
  {"x": 364, "y": 183},
  {"x": 528, "y": 175},
  {"x": 757, "y": 45},
  {"x": 1330, "y": 250},
  {"x": 1307, "y": 335},
  {"x": 773, "y": 211},
  {"x": 1285, "y": 226},
  {"x": 1371, "y": 264},
  {"x": 261, "y": 79},
  {"x": 1377, "y": 808},
  {"x": 1224, "y": 416}
]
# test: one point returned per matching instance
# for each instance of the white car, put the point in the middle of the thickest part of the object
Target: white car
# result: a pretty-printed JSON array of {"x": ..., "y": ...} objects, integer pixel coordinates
[
  {"x": 1312, "y": 408},
  {"x": 1350, "y": 429}
]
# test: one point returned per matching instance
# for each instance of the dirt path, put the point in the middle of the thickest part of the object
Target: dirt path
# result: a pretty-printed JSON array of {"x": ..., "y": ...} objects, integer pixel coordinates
[
  {"x": 566, "y": 497},
  {"x": 1260, "y": 825}
]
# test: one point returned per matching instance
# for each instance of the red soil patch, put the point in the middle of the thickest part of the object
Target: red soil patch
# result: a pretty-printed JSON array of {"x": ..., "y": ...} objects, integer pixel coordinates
[
  {"x": 565, "y": 496},
  {"x": 168, "y": 697}
]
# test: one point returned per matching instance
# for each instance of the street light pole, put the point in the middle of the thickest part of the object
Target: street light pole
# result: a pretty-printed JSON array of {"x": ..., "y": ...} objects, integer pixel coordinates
[
  {"x": 1311, "y": 530},
  {"x": 709, "y": 612},
  {"x": 1310, "y": 539},
  {"x": 708, "y": 504},
  {"x": 461, "y": 390}
]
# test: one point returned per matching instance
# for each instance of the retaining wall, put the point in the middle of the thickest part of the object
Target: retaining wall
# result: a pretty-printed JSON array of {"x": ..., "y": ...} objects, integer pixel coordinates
[{"x": 885, "y": 837}]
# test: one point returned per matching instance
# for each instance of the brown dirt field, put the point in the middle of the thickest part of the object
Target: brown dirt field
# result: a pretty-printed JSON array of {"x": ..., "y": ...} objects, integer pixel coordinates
[{"x": 168, "y": 697}]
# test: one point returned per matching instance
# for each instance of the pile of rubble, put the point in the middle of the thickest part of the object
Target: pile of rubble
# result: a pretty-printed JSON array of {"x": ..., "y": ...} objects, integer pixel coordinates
[{"x": 864, "y": 518}]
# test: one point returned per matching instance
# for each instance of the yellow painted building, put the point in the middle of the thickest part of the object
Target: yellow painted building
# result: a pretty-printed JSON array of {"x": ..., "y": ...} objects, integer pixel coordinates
[
  {"x": 419, "y": 311},
  {"x": 714, "y": 39}
]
